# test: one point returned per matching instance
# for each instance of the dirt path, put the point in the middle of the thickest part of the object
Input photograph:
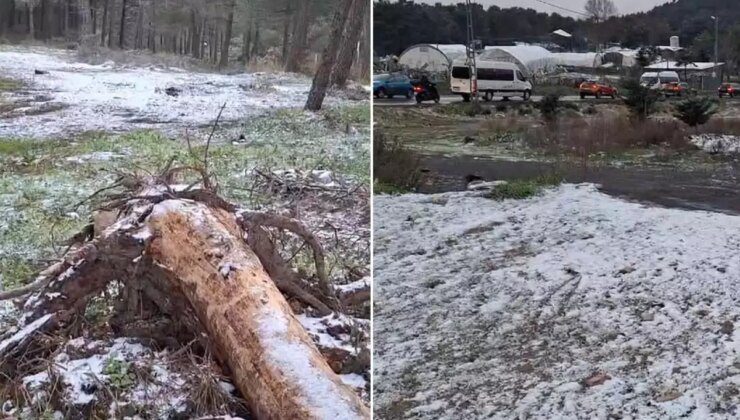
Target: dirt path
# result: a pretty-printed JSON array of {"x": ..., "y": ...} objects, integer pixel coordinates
[{"x": 715, "y": 190}]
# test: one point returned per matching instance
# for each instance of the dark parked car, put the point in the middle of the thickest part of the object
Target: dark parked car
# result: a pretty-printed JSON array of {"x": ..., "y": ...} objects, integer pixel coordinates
[
  {"x": 729, "y": 89},
  {"x": 389, "y": 85}
]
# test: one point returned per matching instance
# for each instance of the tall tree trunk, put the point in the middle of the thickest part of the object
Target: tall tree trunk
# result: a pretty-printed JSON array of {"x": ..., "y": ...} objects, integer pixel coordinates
[
  {"x": 286, "y": 31},
  {"x": 83, "y": 13},
  {"x": 122, "y": 32},
  {"x": 328, "y": 57},
  {"x": 31, "y": 28},
  {"x": 104, "y": 23},
  {"x": 350, "y": 41},
  {"x": 298, "y": 40},
  {"x": 248, "y": 44},
  {"x": 256, "y": 41},
  {"x": 94, "y": 15},
  {"x": 195, "y": 34},
  {"x": 227, "y": 36},
  {"x": 365, "y": 60}
]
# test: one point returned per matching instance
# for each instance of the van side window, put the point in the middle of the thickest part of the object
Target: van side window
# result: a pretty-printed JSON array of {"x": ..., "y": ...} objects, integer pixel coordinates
[{"x": 496, "y": 74}]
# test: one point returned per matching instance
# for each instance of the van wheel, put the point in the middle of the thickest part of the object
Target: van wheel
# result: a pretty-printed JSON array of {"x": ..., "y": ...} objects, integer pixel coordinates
[
  {"x": 410, "y": 94},
  {"x": 488, "y": 96},
  {"x": 466, "y": 97},
  {"x": 598, "y": 95},
  {"x": 527, "y": 95},
  {"x": 381, "y": 93},
  {"x": 583, "y": 96}
]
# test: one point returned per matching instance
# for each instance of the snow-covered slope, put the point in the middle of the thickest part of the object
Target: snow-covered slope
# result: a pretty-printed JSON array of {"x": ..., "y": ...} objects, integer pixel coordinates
[
  {"x": 508, "y": 309},
  {"x": 110, "y": 97}
]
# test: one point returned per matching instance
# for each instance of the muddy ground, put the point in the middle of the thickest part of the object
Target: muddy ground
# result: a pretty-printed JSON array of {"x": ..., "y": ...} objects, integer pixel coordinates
[{"x": 492, "y": 147}]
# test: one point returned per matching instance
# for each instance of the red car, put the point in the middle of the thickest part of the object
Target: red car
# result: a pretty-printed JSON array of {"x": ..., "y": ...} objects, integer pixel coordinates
[
  {"x": 593, "y": 88},
  {"x": 729, "y": 89},
  {"x": 674, "y": 88}
]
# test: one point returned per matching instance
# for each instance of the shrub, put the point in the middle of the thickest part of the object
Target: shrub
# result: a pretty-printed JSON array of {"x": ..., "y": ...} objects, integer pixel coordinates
[
  {"x": 550, "y": 106},
  {"x": 396, "y": 168},
  {"x": 696, "y": 111},
  {"x": 521, "y": 189},
  {"x": 639, "y": 99}
]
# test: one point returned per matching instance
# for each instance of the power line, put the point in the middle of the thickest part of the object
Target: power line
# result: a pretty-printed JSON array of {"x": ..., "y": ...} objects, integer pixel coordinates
[{"x": 562, "y": 8}]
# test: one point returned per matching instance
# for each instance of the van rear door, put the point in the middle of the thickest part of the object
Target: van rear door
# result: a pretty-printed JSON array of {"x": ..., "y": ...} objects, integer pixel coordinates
[{"x": 460, "y": 79}]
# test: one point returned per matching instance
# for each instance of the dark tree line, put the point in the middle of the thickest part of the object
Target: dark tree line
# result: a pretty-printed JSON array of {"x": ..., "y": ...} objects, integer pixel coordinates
[
  {"x": 399, "y": 24},
  {"x": 293, "y": 32}
]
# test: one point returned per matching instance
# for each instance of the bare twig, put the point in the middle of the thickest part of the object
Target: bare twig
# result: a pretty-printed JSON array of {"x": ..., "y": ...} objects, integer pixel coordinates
[{"x": 208, "y": 143}]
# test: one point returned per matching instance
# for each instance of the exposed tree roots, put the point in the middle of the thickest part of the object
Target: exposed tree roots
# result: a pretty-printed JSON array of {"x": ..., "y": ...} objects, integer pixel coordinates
[{"x": 206, "y": 272}]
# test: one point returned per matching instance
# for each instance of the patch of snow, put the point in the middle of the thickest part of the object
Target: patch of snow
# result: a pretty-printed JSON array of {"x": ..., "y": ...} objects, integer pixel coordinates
[
  {"x": 484, "y": 185},
  {"x": 354, "y": 380},
  {"x": 320, "y": 393},
  {"x": 360, "y": 284},
  {"x": 317, "y": 328},
  {"x": 164, "y": 393},
  {"x": 120, "y": 98},
  {"x": 717, "y": 143},
  {"x": 501, "y": 309},
  {"x": 94, "y": 157},
  {"x": 23, "y": 333}
]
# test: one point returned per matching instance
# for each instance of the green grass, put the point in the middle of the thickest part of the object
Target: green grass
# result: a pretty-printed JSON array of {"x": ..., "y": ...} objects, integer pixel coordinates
[
  {"x": 524, "y": 188},
  {"x": 380, "y": 188},
  {"x": 469, "y": 109},
  {"x": 7, "y": 85},
  {"x": 41, "y": 182}
]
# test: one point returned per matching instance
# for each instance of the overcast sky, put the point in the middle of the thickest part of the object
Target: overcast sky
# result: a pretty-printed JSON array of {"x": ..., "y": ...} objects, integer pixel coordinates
[{"x": 623, "y": 6}]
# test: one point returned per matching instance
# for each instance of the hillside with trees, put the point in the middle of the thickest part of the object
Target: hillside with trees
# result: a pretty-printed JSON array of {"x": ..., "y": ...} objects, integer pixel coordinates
[
  {"x": 284, "y": 33},
  {"x": 399, "y": 24}
]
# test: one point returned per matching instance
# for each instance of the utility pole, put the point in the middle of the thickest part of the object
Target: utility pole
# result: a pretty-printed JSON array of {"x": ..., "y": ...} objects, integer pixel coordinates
[
  {"x": 716, "y": 45},
  {"x": 470, "y": 49}
]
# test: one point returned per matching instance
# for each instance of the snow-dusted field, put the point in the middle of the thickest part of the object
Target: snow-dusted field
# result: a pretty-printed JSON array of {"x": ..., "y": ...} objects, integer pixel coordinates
[
  {"x": 571, "y": 305},
  {"x": 110, "y": 97}
]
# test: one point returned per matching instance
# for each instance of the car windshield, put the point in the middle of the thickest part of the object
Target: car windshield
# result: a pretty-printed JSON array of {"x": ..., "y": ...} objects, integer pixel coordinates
[
  {"x": 381, "y": 77},
  {"x": 669, "y": 79},
  {"x": 650, "y": 80}
]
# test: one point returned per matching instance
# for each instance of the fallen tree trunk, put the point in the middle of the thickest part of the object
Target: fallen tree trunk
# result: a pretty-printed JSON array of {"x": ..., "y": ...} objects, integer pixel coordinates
[
  {"x": 188, "y": 260},
  {"x": 274, "y": 361}
]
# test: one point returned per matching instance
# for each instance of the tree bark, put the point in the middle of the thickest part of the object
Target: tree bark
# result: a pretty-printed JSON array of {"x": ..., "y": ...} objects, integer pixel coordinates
[
  {"x": 31, "y": 29},
  {"x": 298, "y": 39},
  {"x": 122, "y": 29},
  {"x": 227, "y": 36},
  {"x": 328, "y": 58},
  {"x": 365, "y": 60},
  {"x": 286, "y": 30},
  {"x": 349, "y": 44}
]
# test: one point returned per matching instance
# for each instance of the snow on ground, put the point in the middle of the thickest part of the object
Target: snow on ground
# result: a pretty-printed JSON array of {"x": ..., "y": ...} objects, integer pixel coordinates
[
  {"x": 717, "y": 143},
  {"x": 92, "y": 371},
  {"x": 109, "y": 97},
  {"x": 569, "y": 305}
]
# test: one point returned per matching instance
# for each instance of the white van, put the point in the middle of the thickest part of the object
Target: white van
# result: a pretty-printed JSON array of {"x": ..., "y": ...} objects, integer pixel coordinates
[
  {"x": 656, "y": 80},
  {"x": 495, "y": 78}
]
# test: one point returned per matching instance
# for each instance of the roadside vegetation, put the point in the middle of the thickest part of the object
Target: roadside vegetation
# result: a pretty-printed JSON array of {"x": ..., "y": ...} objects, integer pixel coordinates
[
  {"x": 555, "y": 129},
  {"x": 396, "y": 169},
  {"x": 524, "y": 188}
]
